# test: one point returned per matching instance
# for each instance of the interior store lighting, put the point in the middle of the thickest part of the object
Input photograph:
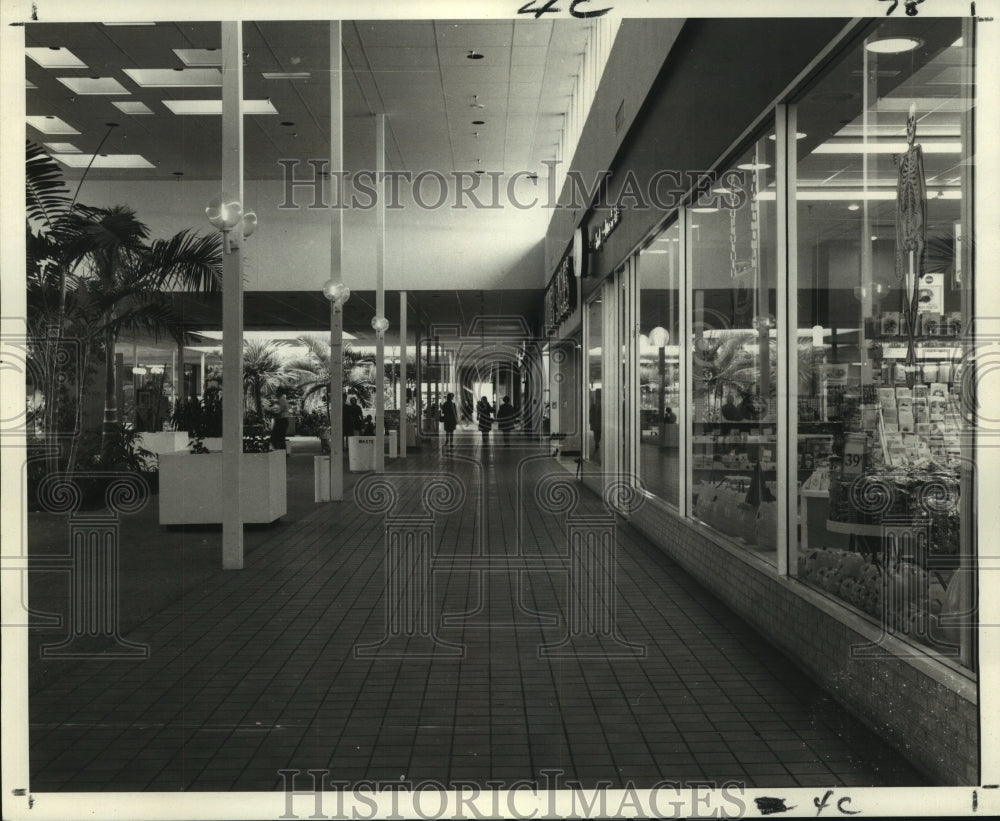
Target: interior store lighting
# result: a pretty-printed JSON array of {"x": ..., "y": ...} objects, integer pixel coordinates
[
  {"x": 49, "y": 124},
  {"x": 202, "y": 107},
  {"x": 892, "y": 45}
]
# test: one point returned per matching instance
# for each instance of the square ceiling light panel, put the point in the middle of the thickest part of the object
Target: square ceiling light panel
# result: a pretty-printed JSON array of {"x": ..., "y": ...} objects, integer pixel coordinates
[
  {"x": 199, "y": 56},
  {"x": 196, "y": 107},
  {"x": 54, "y": 57},
  {"x": 62, "y": 148},
  {"x": 175, "y": 77},
  {"x": 49, "y": 124},
  {"x": 131, "y": 107},
  {"x": 104, "y": 160},
  {"x": 93, "y": 85}
]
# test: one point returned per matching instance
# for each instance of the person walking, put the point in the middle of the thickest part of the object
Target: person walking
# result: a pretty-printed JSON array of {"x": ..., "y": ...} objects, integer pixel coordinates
[
  {"x": 449, "y": 416},
  {"x": 506, "y": 419},
  {"x": 484, "y": 416},
  {"x": 280, "y": 427},
  {"x": 354, "y": 420}
]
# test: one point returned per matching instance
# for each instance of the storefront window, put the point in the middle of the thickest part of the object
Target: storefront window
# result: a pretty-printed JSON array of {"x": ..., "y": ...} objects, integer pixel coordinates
[
  {"x": 594, "y": 331},
  {"x": 882, "y": 452},
  {"x": 732, "y": 463},
  {"x": 659, "y": 397}
]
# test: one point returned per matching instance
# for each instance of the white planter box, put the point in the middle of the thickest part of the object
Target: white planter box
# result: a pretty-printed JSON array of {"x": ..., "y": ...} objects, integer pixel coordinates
[
  {"x": 167, "y": 441},
  {"x": 191, "y": 487}
]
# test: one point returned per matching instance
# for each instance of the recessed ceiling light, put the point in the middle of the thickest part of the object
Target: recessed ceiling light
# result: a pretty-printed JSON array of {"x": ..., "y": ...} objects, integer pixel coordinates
[
  {"x": 50, "y": 125},
  {"x": 93, "y": 85},
  {"x": 195, "y": 107},
  {"x": 474, "y": 55},
  {"x": 104, "y": 160},
  {"x": 853, "y": 207},
  {"x": 798, "y": 135},
  {"x": 287, "y": 122},
  {"x": 130, "y": 24},
  {"x": 285, "y": 75},
  {"x": 704, "y": 209},
  {"x": 199, "y": 56},
  {"x": 175, "y": 78},
  {"x": 177, "y": 173},
  {"x": 480, "y": 171},
  {"x": 753, "y": 166},
  {"x": 54, "y": 57},
  {"x": 62, "y": 148},
  {"x": 131, "y": 107},
  {"x": 29, "y": 84},
  {"x": 479, "y": 122},
  {"x": 893, "y": 45}
]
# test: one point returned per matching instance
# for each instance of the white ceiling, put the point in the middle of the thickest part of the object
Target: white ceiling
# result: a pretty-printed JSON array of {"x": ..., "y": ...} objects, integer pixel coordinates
[{"x": 416, "y": 72}]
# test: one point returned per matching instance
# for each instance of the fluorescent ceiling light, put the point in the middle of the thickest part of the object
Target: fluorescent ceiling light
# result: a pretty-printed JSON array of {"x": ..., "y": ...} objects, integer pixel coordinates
[
  {"x": 93, "y": 85},
  {"x": 888, "y": 194},
  {"x": 175, "y": 78},
  {"x": 29, "y": 84},
  {"x": 285, "y": 75},
  {"x": 654, "y": 251},
  {"x": 54, "y": 57},
  {"x": 753, "y": 166},
  {"x": 215, "y": 106},
  {"x": 130, "y": 24},
  {"x": 273, "y": 336},
  {"x": 50, "y": 125},
  {"x": 892, "y": 45},
  {"x": 131, "y": 107},
  {"x": 704, "y": 209},
  {"x": 934, "y": 147},
  {"x": 199, "y": 56},
  {"x": 104, "y": 160},
  {"x": 62, "y": 148}
]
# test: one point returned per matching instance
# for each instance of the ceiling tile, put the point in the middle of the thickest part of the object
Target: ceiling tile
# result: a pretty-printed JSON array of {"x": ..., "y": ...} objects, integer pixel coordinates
[
  {"x": 459, "y": 58},
  {"x": 529, "y": 56},
  {"x": 387, "y": 57},
  {"x": 532, "y": 32},
  {"x": 396, "y": 34},
  {"x": 478, "y": 35}
]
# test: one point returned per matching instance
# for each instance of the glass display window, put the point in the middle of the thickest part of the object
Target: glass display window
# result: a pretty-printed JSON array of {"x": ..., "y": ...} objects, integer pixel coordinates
[
  {"x": 732, "y": 464},
  {"x": 659, "y": 390},
  {"x": 882, "y": 191}
]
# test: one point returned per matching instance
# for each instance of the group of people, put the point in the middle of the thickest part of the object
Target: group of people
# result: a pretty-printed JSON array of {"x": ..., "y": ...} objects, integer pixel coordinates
[{"x": 486, "y": 413}]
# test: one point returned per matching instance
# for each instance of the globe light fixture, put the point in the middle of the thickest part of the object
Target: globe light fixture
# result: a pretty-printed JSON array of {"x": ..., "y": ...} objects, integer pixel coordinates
[
  {"x": 337, "y": 293},
  {"x": 659, "y": 337},
  {"x": 381, "y": 325},
  {"x": 226, "y": 213}
]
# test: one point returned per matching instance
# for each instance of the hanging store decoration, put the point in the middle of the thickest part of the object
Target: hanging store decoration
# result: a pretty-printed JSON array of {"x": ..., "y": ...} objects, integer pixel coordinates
[{"x": 911, "y": 228}]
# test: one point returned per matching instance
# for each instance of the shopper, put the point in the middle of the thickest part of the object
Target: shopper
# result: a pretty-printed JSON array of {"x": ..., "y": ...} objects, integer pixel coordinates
[
  {"x": 669, "y": 416},
  {"x": 449, "y": 415},
  {"x": 280, "y": 427},
  {"x": 484, "y": 415},
  {"x": 354, "y": 420},
  {"x": 506, "y": 419}
]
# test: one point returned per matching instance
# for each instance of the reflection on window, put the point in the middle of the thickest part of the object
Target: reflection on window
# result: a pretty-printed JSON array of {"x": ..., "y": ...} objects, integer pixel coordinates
[
  {"x": 659, "y": 389},
  {"x": 734, "y": 354},
  {"x": 882, "y": 449},
  {"x": 592, "y": 450}
]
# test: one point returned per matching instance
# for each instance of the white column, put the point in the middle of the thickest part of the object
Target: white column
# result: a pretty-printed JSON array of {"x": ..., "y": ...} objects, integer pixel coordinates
[
  {"x": 336, "y": 267},
  {"x": 202, "y": 374},
  {"x": 402, "y": 375},
  {"x": 232, "y": 301},
  {"x": 380, "y": 299}
]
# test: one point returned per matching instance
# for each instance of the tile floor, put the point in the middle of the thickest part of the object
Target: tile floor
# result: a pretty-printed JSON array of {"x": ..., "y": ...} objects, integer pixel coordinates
[{"x": 273, "y": 667}]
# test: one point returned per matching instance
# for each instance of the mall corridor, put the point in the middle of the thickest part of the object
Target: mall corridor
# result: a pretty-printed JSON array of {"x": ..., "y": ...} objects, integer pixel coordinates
[{"x": 518, "y": 660}]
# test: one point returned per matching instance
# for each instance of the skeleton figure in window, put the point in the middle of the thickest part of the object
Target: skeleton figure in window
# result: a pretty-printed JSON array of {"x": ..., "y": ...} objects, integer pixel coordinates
[{"x": 911, "y": 223}]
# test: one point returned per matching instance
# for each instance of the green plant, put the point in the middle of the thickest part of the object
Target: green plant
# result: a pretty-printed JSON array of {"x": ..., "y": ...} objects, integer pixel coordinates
[
  {"x": 197, "y": 445},
  {"x": 311, "y": 374},
  {"x": 119, "y": 448},
  {"x": 256, "y": 444},
  {"x": 263, "y": 372}
]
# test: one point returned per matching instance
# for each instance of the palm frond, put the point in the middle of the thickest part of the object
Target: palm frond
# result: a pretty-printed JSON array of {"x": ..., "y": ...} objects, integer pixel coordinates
[{"x": 46, "y": 194}]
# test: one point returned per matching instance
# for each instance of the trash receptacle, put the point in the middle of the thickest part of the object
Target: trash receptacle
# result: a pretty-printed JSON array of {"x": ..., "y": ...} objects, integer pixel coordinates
[
  {"x": 392, "y": 443},
  {"x": 360, "y": 453}
]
